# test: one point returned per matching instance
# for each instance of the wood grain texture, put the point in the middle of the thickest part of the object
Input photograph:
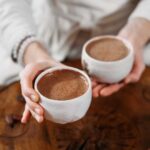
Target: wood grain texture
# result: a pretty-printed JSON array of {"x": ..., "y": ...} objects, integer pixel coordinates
[{"x": 118, "y": 122}]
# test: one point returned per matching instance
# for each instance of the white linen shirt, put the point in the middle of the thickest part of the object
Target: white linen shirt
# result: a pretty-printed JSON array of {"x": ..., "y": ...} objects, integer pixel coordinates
[{"x": 63, "y": 25}]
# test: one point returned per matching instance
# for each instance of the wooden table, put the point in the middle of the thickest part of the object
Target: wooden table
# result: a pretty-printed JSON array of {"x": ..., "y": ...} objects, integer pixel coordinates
[{"x": 118, "y": 122}]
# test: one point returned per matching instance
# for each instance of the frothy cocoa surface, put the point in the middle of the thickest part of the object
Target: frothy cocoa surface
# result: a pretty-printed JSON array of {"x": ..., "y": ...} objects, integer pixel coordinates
[
  {"x": 62, "y": 85},
  {"x": 107, "y": 50}
]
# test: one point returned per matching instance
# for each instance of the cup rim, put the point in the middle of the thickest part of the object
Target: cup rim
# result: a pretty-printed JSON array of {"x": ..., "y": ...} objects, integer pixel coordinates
[
  {"x": 61, "y": 68},
  {"x": 126, "y": 43}
]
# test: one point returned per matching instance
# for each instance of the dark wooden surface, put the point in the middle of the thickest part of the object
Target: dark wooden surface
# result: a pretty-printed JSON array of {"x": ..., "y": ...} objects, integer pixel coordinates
[{"x": 118, "y": 122}]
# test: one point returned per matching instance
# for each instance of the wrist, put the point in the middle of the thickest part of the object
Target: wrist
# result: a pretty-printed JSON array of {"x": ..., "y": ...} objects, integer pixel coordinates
[
  {"x": 35, "y": 53},
  {"x": 136, "y": 31}
]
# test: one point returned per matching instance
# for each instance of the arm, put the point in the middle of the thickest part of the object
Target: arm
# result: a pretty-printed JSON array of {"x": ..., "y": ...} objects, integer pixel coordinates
[
  {"x": 137, "y": 32},
  {"x": 35, "y": 59},
  {"x": 16, "y": 23},
  {"x": 18, "y": 35}
]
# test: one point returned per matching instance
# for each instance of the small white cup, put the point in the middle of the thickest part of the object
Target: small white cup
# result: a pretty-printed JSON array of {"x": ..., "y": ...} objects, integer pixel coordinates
[
  {"x": 65, "y": 111},
  {"x": 111, "y": 71}
]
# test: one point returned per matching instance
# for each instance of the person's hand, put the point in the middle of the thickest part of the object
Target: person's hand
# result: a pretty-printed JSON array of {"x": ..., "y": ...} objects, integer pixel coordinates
[
  {"x": 137, "y": 70},
  {"x": 35, "y": 63},
  {"x": 137, "y": 37}
]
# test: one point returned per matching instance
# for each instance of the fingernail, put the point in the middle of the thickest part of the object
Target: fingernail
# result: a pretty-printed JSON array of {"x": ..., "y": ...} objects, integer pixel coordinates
[
  {"x": 38, "y": 111},
  {"x": 128, "y": 81},
  {"x": 103, "y": 93},
  {"x": 34, "y": 98},
  {"x": 23, "y": 121},
  {"x": 39, "y": 119}
]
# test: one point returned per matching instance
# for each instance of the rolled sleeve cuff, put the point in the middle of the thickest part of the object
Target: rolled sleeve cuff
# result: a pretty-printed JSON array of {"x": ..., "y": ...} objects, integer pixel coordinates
[{"x": 19, "y": 50}]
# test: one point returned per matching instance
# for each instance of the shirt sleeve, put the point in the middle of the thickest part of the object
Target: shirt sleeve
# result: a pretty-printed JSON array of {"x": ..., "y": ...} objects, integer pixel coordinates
[
  {"x": 16, "y": 23},
  {"x": 142, "y": 10}
]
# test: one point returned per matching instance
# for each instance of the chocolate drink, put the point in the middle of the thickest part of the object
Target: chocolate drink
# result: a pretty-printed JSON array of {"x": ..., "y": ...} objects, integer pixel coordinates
[
  {"x": 62, "y": 85},
  {"x": 107, "y": 49}
]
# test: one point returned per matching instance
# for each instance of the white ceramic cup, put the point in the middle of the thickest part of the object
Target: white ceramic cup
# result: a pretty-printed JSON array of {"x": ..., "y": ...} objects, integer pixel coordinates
[
  {"x": 108, "y": 71},
  {"x": 65, "y": 111}
]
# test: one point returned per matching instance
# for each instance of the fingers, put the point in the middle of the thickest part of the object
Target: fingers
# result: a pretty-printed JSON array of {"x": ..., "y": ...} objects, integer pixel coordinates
[
  {"x": 30, "y": 95},
  {"x": 136, "y": 73},
  {"x": 27, "y": 85},
  {"x": 34, "y": 106},
  {"x": 96, "y": 90},
  {"x": 35, "y": 109},
  {"x": 94, "y": 84},
  {"x": 27, "y": 89},
  {"x": 103, "y": 89},
  {"x": 108, "y": 90},
  {"x": 39, "y": 118},
  {"x": 27, "y": 78},
  {"x": 26, "y": 115}
]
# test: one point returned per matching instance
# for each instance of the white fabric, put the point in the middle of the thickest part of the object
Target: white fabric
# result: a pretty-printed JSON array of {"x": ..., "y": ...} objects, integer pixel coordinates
[
  {"x": 58, "y": 23},
  {"x": 146, "y": 55},
  {"x": 142, "y": 10}
]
